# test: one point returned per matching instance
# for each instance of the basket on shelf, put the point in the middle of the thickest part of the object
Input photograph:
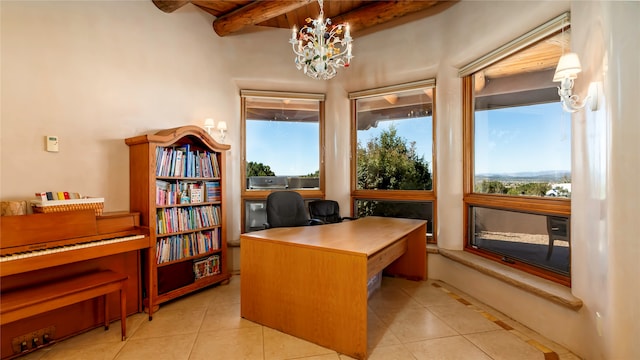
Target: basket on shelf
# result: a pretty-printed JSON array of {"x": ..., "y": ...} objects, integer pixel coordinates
[{"x": 51, "y": 206}]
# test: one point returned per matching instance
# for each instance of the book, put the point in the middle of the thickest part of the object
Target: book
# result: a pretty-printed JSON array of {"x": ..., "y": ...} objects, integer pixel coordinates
[
  {"x": 60, "y": 195},
  {"x": 184, "y": 150},
  {"x": 212, "y": 191},
  {"x": 178, "y": 168},
  {"x": 206, "y": 267},
  {"x": 50, "y": 195},
  {"x": 66, "y": 195},
  {"x": 42, "y": 196},
  {"x": 195, "y": 195}
]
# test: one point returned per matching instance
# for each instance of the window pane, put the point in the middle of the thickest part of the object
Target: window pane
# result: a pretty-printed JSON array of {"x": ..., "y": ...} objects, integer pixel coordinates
[
  {"x": 522, "y": 137},
  {"x": 282, "y": 143},
  {"x": 403, "y": 209},
  {"x": 524, "y": 150},
  {"x": 394, "y": 141},
  {"x": 255, "y": 215},
  {"x": 523, "y": 237}
]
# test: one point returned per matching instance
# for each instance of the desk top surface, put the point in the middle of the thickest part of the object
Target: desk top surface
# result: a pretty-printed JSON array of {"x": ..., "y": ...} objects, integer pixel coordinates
[{"x": 364, "y": 236}]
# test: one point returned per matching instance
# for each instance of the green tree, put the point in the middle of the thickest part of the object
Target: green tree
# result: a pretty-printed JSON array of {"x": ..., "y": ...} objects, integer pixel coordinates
[
  {"x": 387, "y": 162},
  {"x": 492, "y": 187},
  {"x": 530, "y": 189},
  {"x": 315, "y": 174},
  {"x": 258, "y": 169}
]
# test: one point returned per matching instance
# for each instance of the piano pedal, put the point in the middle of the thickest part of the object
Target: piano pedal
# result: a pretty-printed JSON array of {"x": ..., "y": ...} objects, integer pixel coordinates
[{"x": 34, "y": 340}]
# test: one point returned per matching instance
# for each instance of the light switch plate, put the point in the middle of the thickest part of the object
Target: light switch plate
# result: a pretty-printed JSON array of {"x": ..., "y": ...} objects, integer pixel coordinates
[{"x": 52, "y": 143}]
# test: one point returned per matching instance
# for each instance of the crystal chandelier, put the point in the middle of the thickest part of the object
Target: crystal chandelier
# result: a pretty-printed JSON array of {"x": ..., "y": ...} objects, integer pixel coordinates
[{"x": 319, "y": 48}]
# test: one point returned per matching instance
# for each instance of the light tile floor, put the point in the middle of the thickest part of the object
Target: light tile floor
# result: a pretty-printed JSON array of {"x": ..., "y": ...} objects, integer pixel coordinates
[{"x": 407, "y": 320}]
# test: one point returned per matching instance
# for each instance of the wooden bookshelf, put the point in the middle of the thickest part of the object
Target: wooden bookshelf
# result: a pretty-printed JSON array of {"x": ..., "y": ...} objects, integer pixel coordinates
[{"x": 177, "y": 185}]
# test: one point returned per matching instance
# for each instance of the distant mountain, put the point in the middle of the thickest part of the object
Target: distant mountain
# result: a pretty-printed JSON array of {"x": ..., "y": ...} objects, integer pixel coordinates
[{"x": 533, "y": 176}]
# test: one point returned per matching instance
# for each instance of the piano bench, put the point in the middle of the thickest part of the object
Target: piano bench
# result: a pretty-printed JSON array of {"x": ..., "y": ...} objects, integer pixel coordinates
[{"x": 26, "y": 302}]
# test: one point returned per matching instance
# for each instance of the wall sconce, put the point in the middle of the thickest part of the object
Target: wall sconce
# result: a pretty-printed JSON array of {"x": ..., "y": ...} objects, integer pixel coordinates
[
  {"x": 566, "y": 71},
  {"x": 208, "y": 125},
  {"x": 222, "y": 128}
]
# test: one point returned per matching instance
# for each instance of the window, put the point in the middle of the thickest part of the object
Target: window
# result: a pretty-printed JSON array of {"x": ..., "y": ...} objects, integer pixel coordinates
[
  {"x": 396, "y": 208},
  {"x": 283, "y": 142},
  {"x": 518, "y": 162},
  {"x": 392, "y": 170}
]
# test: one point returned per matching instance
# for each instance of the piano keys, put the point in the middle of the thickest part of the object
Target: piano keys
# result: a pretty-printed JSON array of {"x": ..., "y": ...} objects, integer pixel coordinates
[{"x": 39, "y": 248}]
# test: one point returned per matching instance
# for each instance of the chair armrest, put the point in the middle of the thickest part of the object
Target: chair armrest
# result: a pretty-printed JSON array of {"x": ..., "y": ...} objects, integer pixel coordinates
[{"x": 316, "y": 222}]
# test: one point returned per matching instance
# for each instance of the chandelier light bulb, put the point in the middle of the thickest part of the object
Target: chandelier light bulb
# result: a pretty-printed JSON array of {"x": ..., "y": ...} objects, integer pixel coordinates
[{"x": 320, "y": 47}]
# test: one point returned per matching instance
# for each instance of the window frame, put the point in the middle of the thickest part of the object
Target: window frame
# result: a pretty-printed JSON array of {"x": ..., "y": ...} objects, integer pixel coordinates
[
  {"x": 253, "y": 195},
  {"x": 526, "y": 204},
  {"x": 390, "y": 195}
]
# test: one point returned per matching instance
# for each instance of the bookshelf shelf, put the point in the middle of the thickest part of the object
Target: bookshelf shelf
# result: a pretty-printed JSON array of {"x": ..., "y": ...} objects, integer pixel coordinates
[
  {"x": 188, "y": 205},
  {"x": 188, "y": 245},
  {"x": 186, "y": 231},
  {"x": 187, "y": 178},
  {"x": 196, "y": 285},
  {"x": 195, "y": 257}
]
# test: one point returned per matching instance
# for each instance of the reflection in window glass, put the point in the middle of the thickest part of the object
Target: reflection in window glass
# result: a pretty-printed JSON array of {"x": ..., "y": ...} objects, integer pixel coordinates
[
  {"x": 537, "y": 240},
  {"x": 394, "y": 208},
  {"x": 282, "y": 139},
  {"x": 394, "y": 141}
]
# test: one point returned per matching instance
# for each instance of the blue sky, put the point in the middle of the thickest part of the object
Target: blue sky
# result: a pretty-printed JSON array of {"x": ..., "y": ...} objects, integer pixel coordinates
[
  {"x": 504, "y": 139},
  {"x": 289, "y": 148}
]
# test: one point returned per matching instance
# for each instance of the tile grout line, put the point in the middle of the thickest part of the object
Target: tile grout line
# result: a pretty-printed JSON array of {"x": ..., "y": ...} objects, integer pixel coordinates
[{"x": 548, "y": 353}]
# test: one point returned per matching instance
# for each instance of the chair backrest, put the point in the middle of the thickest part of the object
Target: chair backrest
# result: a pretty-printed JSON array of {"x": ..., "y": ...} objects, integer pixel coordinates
[
  {"x": 286, "y": 208},
  {"x": 326, "y": 210}
]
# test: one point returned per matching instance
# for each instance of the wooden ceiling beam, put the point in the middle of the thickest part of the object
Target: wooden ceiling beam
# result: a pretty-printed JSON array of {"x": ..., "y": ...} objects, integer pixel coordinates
[
  {"x": 254, "y": 13},
  {"x": 170, "y": 6},
  {"x": 379, "y": 12}
]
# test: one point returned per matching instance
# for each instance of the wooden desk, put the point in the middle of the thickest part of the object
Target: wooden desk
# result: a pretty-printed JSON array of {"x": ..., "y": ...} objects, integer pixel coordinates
[{"x": 311, "y": 281}]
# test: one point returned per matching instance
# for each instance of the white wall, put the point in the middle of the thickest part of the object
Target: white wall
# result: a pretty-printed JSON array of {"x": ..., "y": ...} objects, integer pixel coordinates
[
  {"x": 94, "y": 73},
  {"x": 606, "y": 261}
]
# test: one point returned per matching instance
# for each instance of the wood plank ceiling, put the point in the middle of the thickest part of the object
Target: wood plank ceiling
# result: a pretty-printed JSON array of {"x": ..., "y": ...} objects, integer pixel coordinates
[
  {"x": 236, "y": 17},
  {"x": 233, "y": 16}
]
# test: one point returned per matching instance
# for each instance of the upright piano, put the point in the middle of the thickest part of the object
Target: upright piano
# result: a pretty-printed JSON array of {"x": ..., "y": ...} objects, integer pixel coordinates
[{"x": 42, "y": 248}]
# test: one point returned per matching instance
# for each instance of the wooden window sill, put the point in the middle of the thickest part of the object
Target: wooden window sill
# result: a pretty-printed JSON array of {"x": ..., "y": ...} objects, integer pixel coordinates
[{"x": 546, "y": 289}]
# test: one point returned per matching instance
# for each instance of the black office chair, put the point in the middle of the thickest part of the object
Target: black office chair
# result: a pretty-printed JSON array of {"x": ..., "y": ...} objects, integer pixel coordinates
[
  {"x": 285, "y": 209},
  {"x": 328, "y": 211}
]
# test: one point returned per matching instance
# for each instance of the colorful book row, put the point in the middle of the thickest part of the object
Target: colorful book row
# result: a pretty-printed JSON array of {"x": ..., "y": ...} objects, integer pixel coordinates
[
  {"x": 171, "y": 220},
  {"x": 184, "y": 162},
  {"x": 178, "y": 247},
  {"x": 57, "y": 195},
  {"x": 185, "y": 192},
  {"x": 206, "y": 267}
]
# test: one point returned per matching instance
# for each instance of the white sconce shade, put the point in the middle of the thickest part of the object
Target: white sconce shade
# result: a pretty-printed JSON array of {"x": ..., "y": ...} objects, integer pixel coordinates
[
  {"x": 222, "y": 126},
  {"x": 568, "y": 67},
  {"x": 566, "y": 72},
  {"x": 208, "y": 125}
]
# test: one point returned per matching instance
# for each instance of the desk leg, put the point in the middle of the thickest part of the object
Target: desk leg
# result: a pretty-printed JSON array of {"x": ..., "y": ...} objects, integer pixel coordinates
[{"x": 412, "y": 264}]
